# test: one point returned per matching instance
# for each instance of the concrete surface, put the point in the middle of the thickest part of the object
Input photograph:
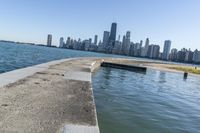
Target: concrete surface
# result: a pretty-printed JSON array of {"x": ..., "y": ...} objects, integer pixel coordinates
[
  {"x": 78, "y": 129},
  {"x": 13, "y": 76},
  {"x": 49, "y": 99},
  {"x": 55, "y": 97}
]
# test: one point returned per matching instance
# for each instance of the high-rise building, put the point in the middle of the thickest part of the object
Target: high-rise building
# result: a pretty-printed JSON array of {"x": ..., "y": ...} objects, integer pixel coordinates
[
  {"x": 166, "y": 50},
  {"x": 106, "y": 35},
  {"x": 112, "y": 38},
  {"x": 123, "y": 49},
  {"x": 153, "y": 51},
  {"x": 117, "y": 47},
  {"x": 156, "y": 51},
  {"x": 141, "y": 42},
  {"x": 173, "y": 54},
  {"x": 128, "y": 35},
  {"x": 145, "y": 49},
  {"x": 49, "y": 40},
  {"x": 150, "y": 51},
  {"x": 189, "y": 56},
  {"x": 132, "y": 49},
  {"x": 113, "y": 32},
  {"x": 68, "y": 42},
  {"x": 181, "y": 55},
  {"x": 137, "y": 51},
  {"x": 95, "y": 39},
  {"x": 126, "y": 42},
  {"x": 61, "y": 42},
  {"x": 196, "y": 56},
  {"x": 90, "y": 41}
]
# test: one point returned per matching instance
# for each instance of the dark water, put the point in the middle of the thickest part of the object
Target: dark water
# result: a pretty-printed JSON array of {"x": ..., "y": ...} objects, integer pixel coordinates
[
  {"x": 155, "y": 102},
  {"x": 15, "y": 56}
]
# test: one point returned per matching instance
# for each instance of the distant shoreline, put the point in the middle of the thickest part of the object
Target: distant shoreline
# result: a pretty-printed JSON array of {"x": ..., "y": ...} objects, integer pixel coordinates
[
  {"x": 27, "y": 43},
  {"x": 163, "y": 66}
]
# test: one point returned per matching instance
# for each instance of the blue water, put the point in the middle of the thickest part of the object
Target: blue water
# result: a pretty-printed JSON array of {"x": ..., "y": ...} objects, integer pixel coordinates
[
  {"x": 127, "y": 102},
  {"x": 155, "y": 102},
  {"x": 14, "y": 56}
]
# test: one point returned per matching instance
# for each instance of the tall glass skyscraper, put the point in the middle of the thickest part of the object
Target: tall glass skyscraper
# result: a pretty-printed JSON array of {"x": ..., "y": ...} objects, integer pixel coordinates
[
  {"x": 113, "y": 32},
  {"x": 105, "y": 37},
  {"x": 95, "y": 39},
  {"x": 166, "y": 50},
  {"x": 112, "y": 38},
  {"x": 49, "y": 40}
]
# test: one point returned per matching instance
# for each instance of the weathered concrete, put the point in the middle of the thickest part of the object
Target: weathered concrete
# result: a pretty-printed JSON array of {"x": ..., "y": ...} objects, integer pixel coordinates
[
  {"x": 79, "y": 128},
  {"x": 57, "y": 98},
  {"x": 13, "y": 76},
  {"x": 51, "y": 97}
]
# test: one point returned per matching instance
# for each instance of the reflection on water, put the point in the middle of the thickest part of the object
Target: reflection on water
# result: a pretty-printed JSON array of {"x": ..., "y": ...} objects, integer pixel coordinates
[
  {"x": 155, "y": 102},
  {"x": 162, "y": 77}
]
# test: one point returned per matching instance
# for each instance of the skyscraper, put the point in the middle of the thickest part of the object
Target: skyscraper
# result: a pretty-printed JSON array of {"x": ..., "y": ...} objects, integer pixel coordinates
[
  {"x": 128, "y": 35},
  {"x": 173, "y": 55},
  {"x": 141, "y": 42},
  {"x": 189, "y": 56},
  {"x": 105, "y": 37},
  {"x": 150, "y": 51},
  {"x": 196, "y": 56},
  {"x": 90, "y": 41},
  {"x": 123, "y": 45},
  {"x": 49, "y": 40},
  {"x": 156, "y": 50},
  {"x": 153, "y": 51},
  {"x": 146, "y": 47},
  {"x": 61, "y": 42},
  {"x": 68, "y": 42},
  {"x": 128, "y": 42},
  {"x": 95, "y": 39},
  {"x": 113, "y": 31},
  {"x": 112, "y": 38},
  {"x": 166, "y": 50}
]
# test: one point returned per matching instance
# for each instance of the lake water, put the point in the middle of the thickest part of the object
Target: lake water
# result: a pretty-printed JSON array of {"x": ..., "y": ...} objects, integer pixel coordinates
[
  {"x": 155, "y": 102},
  {"x": 14, "y": 56},
  {"x": 127, "y": 102}
]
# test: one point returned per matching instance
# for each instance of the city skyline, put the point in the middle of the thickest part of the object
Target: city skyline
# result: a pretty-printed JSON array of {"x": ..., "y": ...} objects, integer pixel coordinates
[
  {"x": 127, "y": 47},
  {"x": 31, "y": 21}
]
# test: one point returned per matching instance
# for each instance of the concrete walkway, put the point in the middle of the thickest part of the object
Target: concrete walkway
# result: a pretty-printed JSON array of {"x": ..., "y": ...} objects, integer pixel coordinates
[{"x": 55, "y": 97}]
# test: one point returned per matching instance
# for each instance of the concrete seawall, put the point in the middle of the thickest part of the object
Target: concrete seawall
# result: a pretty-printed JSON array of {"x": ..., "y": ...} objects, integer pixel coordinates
[
  {"x": 54, "y": 97},
  {"x": 48, "y": 98}
]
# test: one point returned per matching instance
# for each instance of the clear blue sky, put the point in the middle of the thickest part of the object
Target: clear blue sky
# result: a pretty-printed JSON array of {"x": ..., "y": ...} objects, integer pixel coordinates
[{"x": 32, "y": 20}]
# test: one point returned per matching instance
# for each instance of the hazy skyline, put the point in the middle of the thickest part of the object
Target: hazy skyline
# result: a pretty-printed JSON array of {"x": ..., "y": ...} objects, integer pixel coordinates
[{"x": 32, "y": 20}]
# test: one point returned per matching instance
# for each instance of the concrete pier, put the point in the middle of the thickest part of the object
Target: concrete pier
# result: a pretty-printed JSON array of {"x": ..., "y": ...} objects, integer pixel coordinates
[
  {"x": 49, "y": 98},
  {"x": 55, "y": 97}
]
